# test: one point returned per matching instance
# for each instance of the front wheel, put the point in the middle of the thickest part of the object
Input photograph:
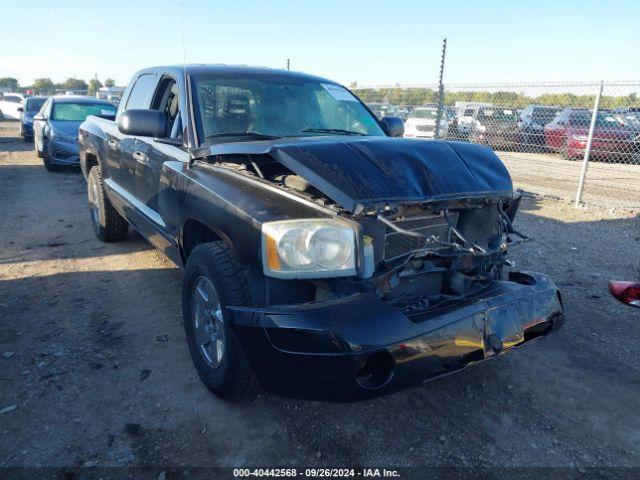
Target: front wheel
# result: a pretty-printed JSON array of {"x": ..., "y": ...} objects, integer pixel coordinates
[
  {"x": 107, "y": 223},
  {"x": 46, "y": 157},
  {"x": 212, "y": 281}
]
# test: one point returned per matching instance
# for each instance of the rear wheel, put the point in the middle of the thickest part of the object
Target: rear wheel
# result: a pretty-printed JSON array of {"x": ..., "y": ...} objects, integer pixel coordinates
[
  {"x": 46, "y": 157},
  {"x": 107, "y": 223},
  {"x": 212, "y": 281}
]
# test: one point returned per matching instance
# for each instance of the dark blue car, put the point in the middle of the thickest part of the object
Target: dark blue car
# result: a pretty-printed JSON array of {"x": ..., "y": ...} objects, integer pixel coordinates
[
  {"x": 30, "y": 107},
  {"x": 55, "y": 129}
]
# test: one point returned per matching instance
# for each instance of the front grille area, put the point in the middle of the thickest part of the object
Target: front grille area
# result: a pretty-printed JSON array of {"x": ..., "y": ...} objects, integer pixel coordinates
[
  {"x": 398, "y": 244},
  {"x": 425, "y": 128}
]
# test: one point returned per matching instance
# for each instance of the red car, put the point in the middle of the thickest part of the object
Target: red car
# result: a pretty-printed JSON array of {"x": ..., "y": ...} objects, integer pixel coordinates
[{"x": 567, "y": 134}]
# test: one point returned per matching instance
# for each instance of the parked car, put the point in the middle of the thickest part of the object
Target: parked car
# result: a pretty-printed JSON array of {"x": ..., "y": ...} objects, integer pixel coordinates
[
  {"x": 320, "y": 256},
  {"x": 421, "y": 123},
  {"x": 533, "y": 120},
  {"x": 568, "y": 135},
  {"x": 497, "y": 127},
  {"x": 630, "y": 120},
  {"x": 30, "y": 107},
  {"x": 10, "y": 105},
  {"x": 55, "y": 128},
  {"x": 466, "y": 121},
  {"x": 379, "y": 109}
]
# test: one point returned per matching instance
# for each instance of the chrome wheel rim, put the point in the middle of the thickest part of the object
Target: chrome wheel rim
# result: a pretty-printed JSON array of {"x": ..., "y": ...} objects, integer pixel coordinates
[
  {"x": 92, "y": 193},
  {"x": 208, "y": 323}
]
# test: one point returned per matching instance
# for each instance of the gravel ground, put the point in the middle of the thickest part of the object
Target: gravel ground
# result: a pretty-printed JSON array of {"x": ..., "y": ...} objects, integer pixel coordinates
[
  {"x": 94, "y": 370},
  {"x": 607, "y": 184}
]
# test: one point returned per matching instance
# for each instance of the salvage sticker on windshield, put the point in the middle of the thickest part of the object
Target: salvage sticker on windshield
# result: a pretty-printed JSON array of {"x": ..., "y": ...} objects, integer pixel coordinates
[{"x": 339, "y": 93}]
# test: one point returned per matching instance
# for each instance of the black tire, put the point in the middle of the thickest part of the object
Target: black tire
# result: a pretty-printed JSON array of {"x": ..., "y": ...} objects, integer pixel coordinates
[
  {"x": 232, "y": 379},
  {"x": 107, "y": 223},
  {"x": 46, "y": 157}
]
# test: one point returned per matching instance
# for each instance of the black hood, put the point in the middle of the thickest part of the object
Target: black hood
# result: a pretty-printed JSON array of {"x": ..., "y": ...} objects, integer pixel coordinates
[{"x": 362, "y": 172}]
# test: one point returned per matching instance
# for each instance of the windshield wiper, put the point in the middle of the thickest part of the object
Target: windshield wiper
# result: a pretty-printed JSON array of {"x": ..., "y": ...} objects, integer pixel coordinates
[
  {"x": 249, "y": 133},
  {"x": 337, "y": 131}
]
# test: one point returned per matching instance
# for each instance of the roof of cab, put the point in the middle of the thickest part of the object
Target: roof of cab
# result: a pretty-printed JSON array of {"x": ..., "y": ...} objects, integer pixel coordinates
[{"x": 222, "y": 69}]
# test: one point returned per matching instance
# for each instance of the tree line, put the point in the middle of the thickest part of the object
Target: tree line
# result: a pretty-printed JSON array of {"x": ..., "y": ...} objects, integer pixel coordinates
[
  {"x": 423, "y": 96},
  {"x": 45, "y": 86}
]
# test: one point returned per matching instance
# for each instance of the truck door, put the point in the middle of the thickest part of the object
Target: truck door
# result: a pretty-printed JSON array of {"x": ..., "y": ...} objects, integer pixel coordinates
[
  {"x": 152, "y": 154},
  {"x": 155, "y": 162},
  {"x": 121, "y": 164}
]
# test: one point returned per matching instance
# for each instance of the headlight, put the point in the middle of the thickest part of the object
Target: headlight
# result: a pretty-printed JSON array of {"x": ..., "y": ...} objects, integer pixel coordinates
[
  {"x": 308, "y": 249},
  {"x": 580, "y": 138}
]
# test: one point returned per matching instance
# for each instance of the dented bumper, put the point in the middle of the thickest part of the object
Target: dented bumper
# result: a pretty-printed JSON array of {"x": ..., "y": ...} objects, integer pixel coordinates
[{"x": 361, "y": 345}]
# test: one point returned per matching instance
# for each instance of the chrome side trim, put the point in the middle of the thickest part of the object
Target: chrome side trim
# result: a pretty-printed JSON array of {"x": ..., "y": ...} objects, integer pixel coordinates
[{"x": 150, "y": 213}]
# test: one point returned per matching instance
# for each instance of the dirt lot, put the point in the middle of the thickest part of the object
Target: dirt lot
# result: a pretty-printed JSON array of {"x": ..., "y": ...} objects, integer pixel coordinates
[
  {"x": 94, "y": 369},
  {"x": 607, "y": 184}
]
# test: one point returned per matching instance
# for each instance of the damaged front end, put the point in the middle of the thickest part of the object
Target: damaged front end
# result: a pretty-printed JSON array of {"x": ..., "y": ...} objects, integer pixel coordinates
[{"x": 429, "y": 289}]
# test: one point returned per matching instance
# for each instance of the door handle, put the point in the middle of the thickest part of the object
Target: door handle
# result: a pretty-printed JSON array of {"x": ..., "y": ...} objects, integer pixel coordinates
[
  {"x": 140, "y": 157},
  {"x": 112, "y": 143}
]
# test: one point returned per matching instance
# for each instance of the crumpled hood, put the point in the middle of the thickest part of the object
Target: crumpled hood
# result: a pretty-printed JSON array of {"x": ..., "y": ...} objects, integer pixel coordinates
[{"x": 361, "y": 172}]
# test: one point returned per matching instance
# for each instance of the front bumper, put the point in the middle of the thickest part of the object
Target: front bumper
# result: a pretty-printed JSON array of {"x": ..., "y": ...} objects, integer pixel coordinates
[
  {"x": 64, "y": 153},
  {"x": 616, "y": 149},
  {"x": 360, "y": 345},
  {"x": 26, "y": 129}
]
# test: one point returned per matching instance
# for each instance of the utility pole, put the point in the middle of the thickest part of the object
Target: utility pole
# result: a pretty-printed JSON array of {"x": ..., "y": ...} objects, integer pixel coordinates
[
  {"x": 441, "y": 89},
  {"x": 288, "y": 64}
]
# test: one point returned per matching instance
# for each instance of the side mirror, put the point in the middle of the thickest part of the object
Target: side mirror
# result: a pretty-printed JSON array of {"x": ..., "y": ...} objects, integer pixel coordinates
[
  {"x": 38, "y": 116},
  {"x": 20, "y": 109},
  {"x": 143, "y": 123},
  {"x": 393, "y": 126}
]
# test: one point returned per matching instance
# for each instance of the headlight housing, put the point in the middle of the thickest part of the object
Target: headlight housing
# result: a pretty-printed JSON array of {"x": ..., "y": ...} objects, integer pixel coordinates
[
  {"x": 581, "y": 138},
  {"x": 309, "y": 248}
]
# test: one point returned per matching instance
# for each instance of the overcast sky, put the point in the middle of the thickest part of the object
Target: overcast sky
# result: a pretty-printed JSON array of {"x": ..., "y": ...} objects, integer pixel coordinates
[{"x": 365, "y": 41}]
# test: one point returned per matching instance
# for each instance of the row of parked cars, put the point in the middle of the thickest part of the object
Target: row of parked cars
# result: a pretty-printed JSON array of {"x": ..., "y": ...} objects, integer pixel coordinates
[
  {"x": 535, "y": 128},
  {"x": 52, "y": 123}
]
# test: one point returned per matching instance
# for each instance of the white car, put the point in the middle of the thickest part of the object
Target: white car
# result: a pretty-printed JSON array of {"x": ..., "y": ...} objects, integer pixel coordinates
[
  {"x": 9, "y": 105},
  {"x": 467, "y": 120},
  {"x": 421, "y": 123}
]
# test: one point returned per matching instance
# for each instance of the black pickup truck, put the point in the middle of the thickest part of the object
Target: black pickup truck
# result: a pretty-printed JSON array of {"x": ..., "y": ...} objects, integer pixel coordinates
[{"x": 322, "y": 257}]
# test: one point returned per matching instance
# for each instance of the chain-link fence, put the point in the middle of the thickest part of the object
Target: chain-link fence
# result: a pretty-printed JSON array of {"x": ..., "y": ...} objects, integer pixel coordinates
[{"x": 576, "y": 141}]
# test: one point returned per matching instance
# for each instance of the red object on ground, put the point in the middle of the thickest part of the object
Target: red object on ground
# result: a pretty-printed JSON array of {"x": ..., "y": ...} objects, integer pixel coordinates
[{"x": 626, "y": 292}]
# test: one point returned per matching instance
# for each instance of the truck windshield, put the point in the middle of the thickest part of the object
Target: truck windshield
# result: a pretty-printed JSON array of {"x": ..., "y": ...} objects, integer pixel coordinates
[
  {"x": 278, "y": 106},
  {"x": 78, "y": 112}
]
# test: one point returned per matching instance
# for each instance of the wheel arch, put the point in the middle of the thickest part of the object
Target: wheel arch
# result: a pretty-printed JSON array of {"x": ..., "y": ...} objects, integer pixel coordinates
[
  {"x": 88, "y": 160},
  {"x": 195, "y": 232}
]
